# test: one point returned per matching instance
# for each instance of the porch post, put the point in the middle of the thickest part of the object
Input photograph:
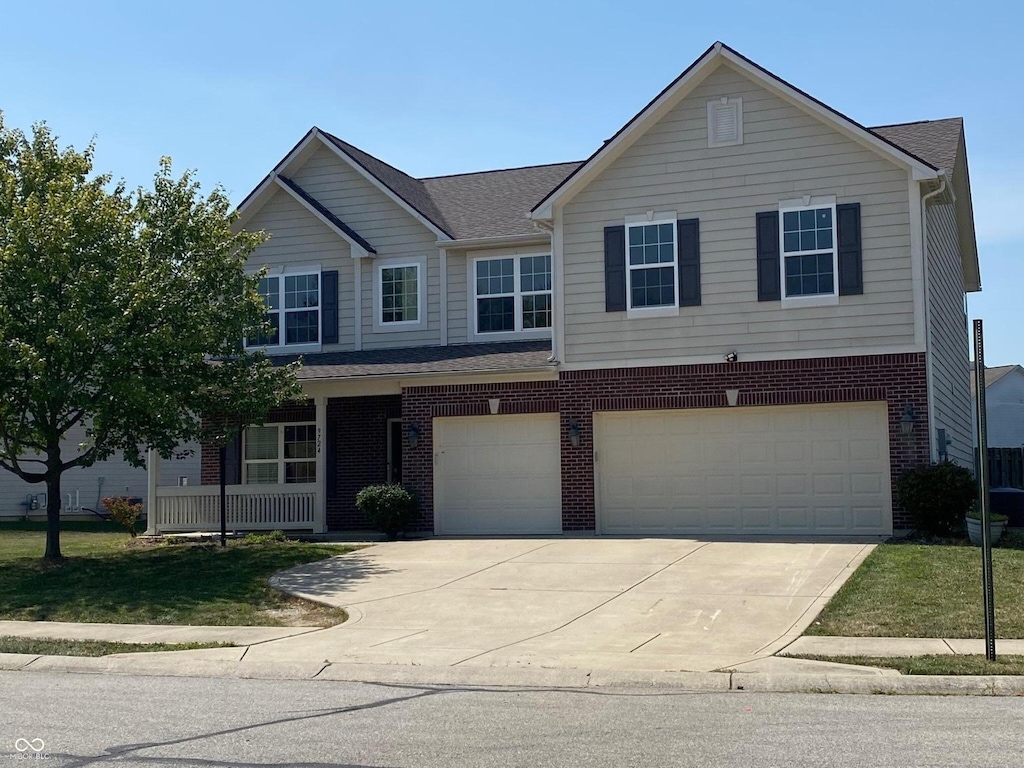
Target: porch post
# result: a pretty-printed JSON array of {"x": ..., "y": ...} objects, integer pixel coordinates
[
  {"x": 152, "y": 482},
  {"x": 320, "y": 513}
]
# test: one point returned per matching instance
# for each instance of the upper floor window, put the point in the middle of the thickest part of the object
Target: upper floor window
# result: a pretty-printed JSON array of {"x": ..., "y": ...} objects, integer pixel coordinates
[
  {"x": 293, "y": 310},
  {"x": 512, "y": 293},
  {"x": 279, "y": 453},
  {"x": 808, "y": 251},
  {"x": 400, "y": 295},
  {"x": 651, "y": 264}
]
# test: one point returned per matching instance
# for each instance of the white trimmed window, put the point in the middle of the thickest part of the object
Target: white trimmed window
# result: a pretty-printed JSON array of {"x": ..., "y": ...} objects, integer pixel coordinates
[
  {"x": 293, "y": 310},
  {"x": 512, "y": 294},
  {"x": 651, "y": 263},
  {"x": 809, "y": 255},
  {"x": 279, "y": 453},
  {"x": 400, "y": 295}
]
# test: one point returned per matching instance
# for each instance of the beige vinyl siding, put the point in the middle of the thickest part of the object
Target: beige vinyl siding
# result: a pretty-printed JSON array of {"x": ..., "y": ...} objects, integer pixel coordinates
[
  {"x": 948, "y": 342},
  {"x": 785, "y": 154},
  {"x": 458, "y": 303},
  {"x": 298, "y": 239},
  {"x": 84, "y": 483},
  {"x": 388, "y": 228}
]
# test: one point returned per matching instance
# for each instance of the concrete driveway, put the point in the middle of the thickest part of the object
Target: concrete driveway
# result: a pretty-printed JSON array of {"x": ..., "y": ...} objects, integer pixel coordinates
[{"x": 603, "y": 603}]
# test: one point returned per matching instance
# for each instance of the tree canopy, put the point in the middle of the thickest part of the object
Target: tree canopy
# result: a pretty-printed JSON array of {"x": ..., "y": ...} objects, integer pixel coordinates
[{"x": 123, "y": 311}]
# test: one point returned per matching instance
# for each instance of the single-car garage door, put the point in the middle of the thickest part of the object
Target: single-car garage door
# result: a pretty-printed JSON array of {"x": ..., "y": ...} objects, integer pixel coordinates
[
  {"x": 497, "y": 474},
  {"x": 787, "y": 470}
]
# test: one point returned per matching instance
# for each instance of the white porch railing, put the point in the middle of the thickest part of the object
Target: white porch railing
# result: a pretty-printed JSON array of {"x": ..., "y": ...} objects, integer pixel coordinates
[{"x": 248, "y": 507}]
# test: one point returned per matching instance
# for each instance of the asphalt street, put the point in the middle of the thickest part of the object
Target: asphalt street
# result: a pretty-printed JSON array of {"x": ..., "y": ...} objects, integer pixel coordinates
[{"x": 59, "y": 719}]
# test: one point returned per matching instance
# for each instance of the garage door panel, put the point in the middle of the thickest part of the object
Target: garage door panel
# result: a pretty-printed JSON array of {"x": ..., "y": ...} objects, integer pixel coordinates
[
  {"x": 795, "y": 470},
  {"x": 497, "y": 474}
]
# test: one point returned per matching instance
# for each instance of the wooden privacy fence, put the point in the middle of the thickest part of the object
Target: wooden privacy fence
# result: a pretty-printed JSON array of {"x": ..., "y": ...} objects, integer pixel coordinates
[{"x": 1005, "y": 467}]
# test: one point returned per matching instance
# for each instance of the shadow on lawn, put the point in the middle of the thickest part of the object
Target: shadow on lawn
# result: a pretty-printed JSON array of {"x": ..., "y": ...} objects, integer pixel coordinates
[{"x": 168, "y": 584}]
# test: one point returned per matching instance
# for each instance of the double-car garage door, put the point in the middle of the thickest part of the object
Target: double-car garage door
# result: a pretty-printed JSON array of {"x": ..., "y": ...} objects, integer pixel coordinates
[{"x": 805, "y": 470}]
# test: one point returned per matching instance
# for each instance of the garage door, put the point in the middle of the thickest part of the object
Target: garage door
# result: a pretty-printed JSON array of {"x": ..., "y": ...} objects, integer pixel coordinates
[
  {"x": 789, "y": 470},
  {"x": 497, "y": 474}
]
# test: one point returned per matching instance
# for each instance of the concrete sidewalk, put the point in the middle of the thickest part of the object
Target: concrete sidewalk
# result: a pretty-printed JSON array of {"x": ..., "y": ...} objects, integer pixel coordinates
[
  {"x": 148, "y": 633},
  {"x": 896, "y": 646}
]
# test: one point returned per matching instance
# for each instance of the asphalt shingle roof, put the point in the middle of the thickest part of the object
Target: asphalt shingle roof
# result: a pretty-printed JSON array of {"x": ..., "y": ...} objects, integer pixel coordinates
[
  {"x": 934, "y": 141},
  {"x": 461, "y": 358}
]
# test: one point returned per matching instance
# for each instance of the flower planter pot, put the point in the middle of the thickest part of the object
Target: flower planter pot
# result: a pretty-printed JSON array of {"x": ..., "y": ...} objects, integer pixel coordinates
[{"x": 974, "y": 530}]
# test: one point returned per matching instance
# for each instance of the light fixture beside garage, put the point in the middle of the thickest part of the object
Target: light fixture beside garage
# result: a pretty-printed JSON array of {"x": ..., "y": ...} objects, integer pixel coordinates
[
  {"x": 907, "y": 420},
  {"x": 575, "y": 433},
  {"x": 412, "y": 434}
]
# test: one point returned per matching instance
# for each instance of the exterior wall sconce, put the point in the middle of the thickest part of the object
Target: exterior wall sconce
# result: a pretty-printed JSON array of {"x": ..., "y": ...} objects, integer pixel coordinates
[
  {"x": 575, "y": 433},
  {"x": 907, "y": 420},
  {"x": 494, "y": 404},
  {"x": 412, "y": 434}
]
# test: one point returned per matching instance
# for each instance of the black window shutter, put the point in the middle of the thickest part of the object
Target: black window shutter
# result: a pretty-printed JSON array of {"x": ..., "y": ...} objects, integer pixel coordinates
[
  {"x": 615, "y": 269},
  {"x": 851, "y": 272},
  {"x": 233, "y": 461},
  {"x": 329, "y": 306},
  {"x": 688, "y": 250},
  {"x": 769, "y": 287}
]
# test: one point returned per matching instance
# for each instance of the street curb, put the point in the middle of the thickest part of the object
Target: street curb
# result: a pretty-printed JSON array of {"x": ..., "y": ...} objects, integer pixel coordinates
[{"x": 517, "y": 677}]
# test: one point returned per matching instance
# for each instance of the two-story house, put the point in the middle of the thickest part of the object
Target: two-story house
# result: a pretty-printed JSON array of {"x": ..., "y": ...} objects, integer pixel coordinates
[{"x": 743, "y": 314}]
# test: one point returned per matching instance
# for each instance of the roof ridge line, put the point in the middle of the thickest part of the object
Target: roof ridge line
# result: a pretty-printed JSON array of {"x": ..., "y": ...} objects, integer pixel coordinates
[
  {"x": 498, "y": 170},
  {"x": 368, "y": 154},
  {"x": 917, "y": 122}
]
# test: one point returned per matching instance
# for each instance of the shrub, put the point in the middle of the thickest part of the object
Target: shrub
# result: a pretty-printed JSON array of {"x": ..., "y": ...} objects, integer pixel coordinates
[
  {"x": 938, "y": 496},
  {"x": 124, "y": 512},
  {"x": 274, "y": 537},
  {"x": 390, "y": 508}
]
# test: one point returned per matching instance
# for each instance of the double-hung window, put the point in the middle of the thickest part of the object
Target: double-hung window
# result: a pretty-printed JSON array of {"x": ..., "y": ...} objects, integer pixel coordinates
[
  {"x": 280, "y": 453},
  {"x": 651, "y": 262},
  {"x": 293, "y": 310},
  {"x": 808, "y": 251},
  {"x": 512, "y": 294},
  {"x": 400, "y": 295}
]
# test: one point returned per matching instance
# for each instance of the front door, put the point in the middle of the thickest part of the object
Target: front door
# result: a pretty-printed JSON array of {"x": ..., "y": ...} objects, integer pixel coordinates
[{"x": 394, "y": 450}]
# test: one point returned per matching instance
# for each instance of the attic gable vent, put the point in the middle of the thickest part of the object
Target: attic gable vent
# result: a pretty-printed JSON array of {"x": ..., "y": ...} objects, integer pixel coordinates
[{"x": 725, "y": 122}]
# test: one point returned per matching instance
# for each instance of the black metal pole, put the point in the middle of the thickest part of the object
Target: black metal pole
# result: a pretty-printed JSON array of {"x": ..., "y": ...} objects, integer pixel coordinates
[
  {"x": 223, "y": 495},
  {"x": 983, "y": 495}
]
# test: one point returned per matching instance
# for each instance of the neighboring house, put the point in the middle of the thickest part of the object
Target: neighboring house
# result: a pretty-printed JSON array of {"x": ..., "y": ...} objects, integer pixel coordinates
[
  {"x": 743, "y": 314},
  {"x": 1004, "y": 407},
  {"x": 82, "y": 488}
]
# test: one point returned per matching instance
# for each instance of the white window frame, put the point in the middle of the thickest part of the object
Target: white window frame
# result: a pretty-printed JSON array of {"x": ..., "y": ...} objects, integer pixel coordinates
[
  {"x": 648, "y": 220},
  {"x": 729, "y": 101},
  {"x": 806, "y": 204},
  {"x": 420, "y": 263},
  {"x": 280, "y": 461},
  {"x": 517, "y": 294},
  {"x": 282, "y": 347}
]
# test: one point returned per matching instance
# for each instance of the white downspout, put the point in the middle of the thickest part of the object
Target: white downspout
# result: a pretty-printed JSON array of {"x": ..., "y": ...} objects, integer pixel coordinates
[{"x": 929, "y": 367}]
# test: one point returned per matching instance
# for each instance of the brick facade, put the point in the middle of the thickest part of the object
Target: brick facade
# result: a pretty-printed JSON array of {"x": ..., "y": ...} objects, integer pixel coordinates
[
  {"x": 896, "y": 379},
  {"x": 357, "y": 427}
]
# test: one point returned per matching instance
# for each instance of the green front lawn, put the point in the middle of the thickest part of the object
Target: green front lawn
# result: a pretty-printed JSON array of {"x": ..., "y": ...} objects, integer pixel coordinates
[
  {"x": 109, "y": 578},
  {"x": 42, "y": 647},
  {"x": 915, "y": 589},
  {"x": 932, "y": 665}
]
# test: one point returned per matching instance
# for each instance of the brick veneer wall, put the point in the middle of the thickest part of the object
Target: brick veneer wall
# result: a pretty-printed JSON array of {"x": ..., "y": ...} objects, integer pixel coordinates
[
  {"x": 209, "y": 458},
  {"x": 358, "y": 427},
  {"x": 896, "y": 379}
]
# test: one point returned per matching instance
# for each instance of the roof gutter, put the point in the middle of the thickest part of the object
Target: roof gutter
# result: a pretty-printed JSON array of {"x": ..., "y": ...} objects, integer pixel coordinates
[
  {"x": 429, "y": 374},
  {"x": 532, "y": 238}
]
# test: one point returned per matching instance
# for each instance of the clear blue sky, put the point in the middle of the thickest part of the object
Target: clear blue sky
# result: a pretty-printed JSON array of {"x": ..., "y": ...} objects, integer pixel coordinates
[{"x": 443, "y": 87}]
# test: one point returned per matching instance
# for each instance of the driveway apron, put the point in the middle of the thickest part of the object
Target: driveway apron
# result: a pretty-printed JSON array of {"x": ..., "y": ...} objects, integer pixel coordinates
[{"x": 603, "y": 603}]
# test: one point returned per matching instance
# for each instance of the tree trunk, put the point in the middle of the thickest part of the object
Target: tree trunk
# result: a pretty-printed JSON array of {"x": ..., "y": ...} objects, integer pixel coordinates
[
  {"x": 53, "y": 474},
  {"x": 53, "y": 516}
]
